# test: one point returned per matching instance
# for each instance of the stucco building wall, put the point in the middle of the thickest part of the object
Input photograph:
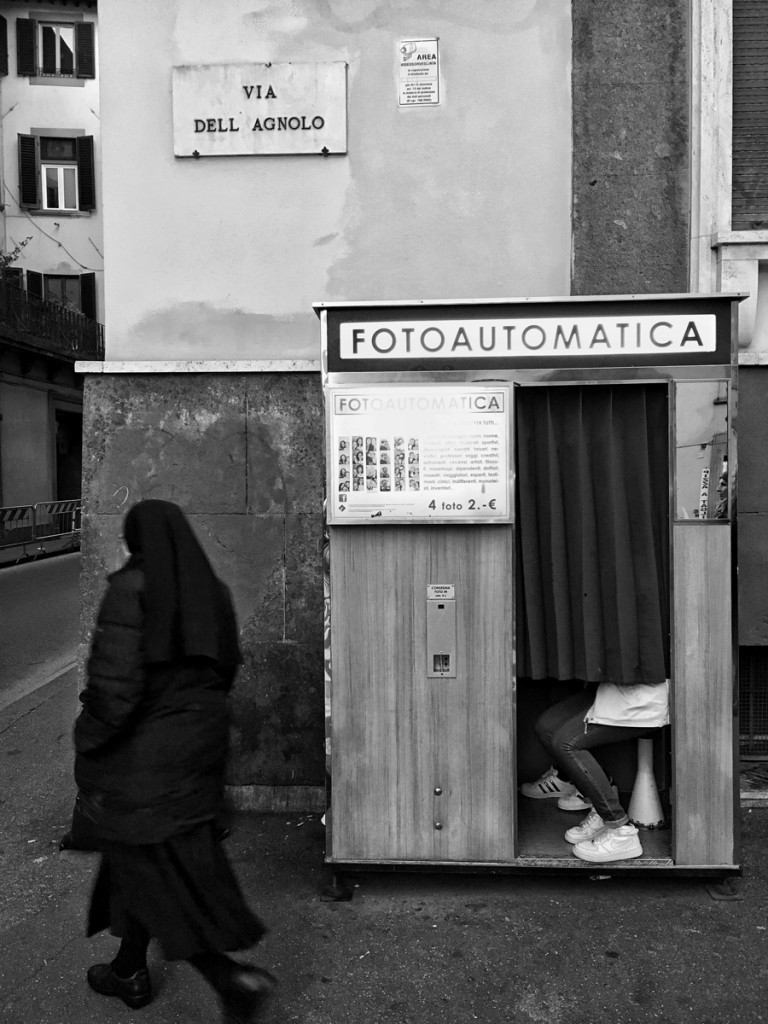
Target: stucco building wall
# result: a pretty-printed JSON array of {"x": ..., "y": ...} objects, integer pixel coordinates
[
  {"x": 61, "y": 242},
  {"x": 227, "y": 254}
]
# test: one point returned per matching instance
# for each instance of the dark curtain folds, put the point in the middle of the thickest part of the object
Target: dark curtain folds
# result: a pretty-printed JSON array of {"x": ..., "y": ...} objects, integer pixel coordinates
[{"x": 592, "y": 537}]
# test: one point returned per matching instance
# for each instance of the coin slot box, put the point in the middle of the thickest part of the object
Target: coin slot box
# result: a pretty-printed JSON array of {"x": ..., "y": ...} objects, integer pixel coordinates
[{"x": 441, "y": 638}]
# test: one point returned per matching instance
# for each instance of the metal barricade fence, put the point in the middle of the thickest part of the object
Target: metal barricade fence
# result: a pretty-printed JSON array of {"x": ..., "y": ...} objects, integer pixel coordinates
[
  {"x": 17, "y": 525},
  {"x": 27, "y": 531},
  {"x": 57, "y": 519}
]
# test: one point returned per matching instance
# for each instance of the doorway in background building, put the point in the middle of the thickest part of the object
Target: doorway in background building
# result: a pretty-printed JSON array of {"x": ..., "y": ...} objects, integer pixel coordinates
[{"x": 69, "y": 454}]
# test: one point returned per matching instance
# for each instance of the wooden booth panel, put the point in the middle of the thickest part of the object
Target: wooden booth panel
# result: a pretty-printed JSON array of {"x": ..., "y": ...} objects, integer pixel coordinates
[
  {"x": 703, "y": 724},
  {"x": 399, "y": 736}
]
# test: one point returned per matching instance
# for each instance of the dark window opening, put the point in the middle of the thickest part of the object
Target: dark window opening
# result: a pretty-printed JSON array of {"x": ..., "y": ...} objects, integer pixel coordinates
[
  {"x": 69, "y": 459},
  {"x": 58, "y": 149},
  {"x": 64, "y": 290}
]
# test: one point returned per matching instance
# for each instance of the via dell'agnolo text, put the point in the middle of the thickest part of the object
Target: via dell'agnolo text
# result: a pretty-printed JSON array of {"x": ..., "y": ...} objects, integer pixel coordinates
[{"x": 262, "y": 122}]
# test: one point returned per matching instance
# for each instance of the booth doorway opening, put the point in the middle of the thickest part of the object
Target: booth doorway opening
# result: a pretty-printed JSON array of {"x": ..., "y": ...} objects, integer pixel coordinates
[{"x": 592, "y": 574}]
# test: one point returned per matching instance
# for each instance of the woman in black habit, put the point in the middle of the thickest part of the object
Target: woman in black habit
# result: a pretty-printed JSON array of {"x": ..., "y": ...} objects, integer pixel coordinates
[{"x": 150, "y": 753}]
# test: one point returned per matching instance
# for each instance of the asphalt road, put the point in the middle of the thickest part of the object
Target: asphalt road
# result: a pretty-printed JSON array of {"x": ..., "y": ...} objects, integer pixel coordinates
[{"x": 39, "y": 623}]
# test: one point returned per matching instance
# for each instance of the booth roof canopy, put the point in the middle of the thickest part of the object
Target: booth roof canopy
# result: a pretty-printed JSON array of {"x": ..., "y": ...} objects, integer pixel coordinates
[{"x": 530, "y": 299}]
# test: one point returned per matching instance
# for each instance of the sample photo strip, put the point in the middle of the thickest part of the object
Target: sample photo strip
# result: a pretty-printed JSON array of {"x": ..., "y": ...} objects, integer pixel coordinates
[{"x": 378, "y": 464}]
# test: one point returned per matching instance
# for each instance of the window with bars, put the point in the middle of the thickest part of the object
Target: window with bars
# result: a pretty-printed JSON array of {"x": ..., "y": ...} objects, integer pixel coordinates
[{"x": 750, "y": 115}]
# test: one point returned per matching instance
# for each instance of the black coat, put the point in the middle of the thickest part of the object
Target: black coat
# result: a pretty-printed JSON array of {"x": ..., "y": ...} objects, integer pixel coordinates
[{"x": 150, "y": 742}]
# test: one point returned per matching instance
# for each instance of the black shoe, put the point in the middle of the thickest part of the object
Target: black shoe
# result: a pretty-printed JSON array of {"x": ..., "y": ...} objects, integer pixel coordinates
[
  {"x": 135, "y": 991},
  {"x": 247, "y": 995}
]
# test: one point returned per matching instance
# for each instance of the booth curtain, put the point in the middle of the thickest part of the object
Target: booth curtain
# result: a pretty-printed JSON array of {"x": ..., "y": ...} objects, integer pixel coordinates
[{"x": 592, "y": 533}]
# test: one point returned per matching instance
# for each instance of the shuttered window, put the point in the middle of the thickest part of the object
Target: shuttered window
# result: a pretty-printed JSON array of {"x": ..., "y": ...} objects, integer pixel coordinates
[
  {"x": 85, "y": 50},
  {"x": 35, "y": 283},
  {"x": 26, "y": 47},
  {"x": 88, "y": 295},
  {"x": 750, "y": 115},
  {"x": 86, "y": 178},
  {"x": 56, "y": 184},
  {"x": 14, "y": 276},
  {"x": 29, "y": 172},
  {"x": 3, "y": 46},
  {"x": 54, "y": 49}
]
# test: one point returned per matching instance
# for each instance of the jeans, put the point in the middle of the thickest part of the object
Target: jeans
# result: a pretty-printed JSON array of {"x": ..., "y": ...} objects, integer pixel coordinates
[{"x": 568, "y": 739}]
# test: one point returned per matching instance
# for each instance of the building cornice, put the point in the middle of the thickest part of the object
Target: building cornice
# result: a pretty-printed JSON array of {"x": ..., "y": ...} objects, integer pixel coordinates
[{"x": 200, "y": 366}]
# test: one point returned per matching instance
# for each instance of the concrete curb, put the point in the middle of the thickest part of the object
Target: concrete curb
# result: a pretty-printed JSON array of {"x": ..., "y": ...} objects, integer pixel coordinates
[{"x": 22, "y": 706}]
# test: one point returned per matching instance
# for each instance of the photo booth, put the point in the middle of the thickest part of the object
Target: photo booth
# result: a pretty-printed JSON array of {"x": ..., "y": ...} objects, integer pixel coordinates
[{"x": 524, "y": 496}]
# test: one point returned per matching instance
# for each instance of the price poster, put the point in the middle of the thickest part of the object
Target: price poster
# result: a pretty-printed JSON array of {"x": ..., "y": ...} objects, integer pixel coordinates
[{"x": 418, "y": 453}]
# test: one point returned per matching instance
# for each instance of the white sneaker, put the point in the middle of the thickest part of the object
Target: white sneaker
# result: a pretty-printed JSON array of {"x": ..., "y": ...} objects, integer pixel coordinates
[
  {"x": 573, "y": 802},
  {"x": 548, "y": 787},
  {"x": 577, "y": 801},
  {"x": 586, "y": 829},
  {"x": 620, "y": 843}
]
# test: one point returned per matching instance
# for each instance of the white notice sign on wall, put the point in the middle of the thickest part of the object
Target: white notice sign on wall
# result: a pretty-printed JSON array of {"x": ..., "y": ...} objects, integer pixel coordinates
[
  {"x": 260, "y": 109},
  {"x": 418, "y": 72}
]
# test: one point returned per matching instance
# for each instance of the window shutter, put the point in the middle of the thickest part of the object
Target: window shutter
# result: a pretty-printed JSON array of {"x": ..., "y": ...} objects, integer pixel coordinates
[
  {"x": 86, "y": 179},
  {"x": 35, "y": 283},
  {"x": 750, "y": 115},
  {"x": 85, "y": 50},
  {"x": 29, "y": 172},
  {"x": 14, "y": 276},
  {"x": 3, "y": 46},
  {"x": 88, "y": 295},
  {"x": 26, "y": 46}
]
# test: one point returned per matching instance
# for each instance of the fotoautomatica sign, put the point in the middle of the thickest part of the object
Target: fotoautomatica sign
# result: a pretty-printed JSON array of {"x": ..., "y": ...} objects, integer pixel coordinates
[
  {"x": 411, "y": 452},
  {"x": 564, "y": 333},
  {"x": 260, "y": 109},
  {"x": 569, "y": 337}
]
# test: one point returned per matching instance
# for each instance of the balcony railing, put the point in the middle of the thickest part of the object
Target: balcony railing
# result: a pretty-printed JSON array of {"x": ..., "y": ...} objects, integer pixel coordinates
[{"x": 48, "y": 325}]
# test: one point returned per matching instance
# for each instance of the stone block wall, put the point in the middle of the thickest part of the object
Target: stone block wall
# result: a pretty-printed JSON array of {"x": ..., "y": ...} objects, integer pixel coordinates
[
  {"x": 242, "y": 454},
  {"x": 630, "y": 85}
]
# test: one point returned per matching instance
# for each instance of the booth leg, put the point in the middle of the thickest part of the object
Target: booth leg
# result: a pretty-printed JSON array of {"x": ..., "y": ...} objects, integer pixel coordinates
[
  {"x": 725, "y": 889},
  {"x": 645, "y": 808},
  {"x": 338, "y": 891}
]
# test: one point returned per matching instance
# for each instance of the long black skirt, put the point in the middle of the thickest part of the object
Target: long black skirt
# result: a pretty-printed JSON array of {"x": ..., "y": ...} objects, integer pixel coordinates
[{"x": 182, "y": 892}]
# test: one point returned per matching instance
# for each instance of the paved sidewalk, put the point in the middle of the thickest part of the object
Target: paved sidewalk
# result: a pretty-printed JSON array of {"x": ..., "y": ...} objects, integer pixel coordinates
[{"x": 407, "y": 949}]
